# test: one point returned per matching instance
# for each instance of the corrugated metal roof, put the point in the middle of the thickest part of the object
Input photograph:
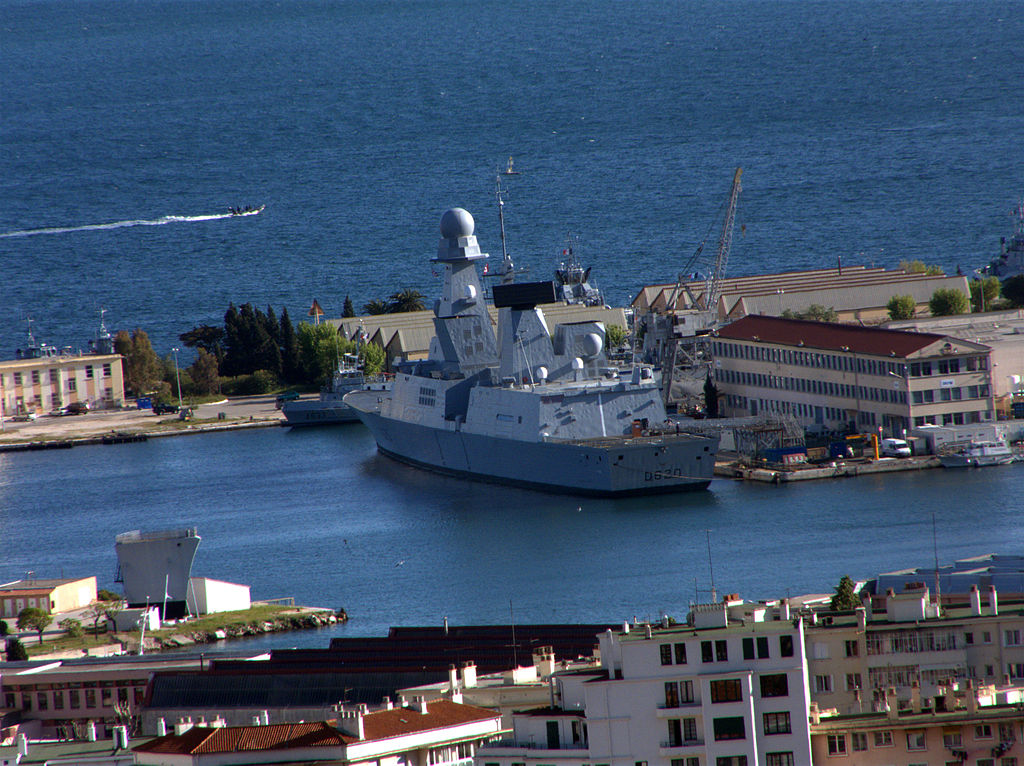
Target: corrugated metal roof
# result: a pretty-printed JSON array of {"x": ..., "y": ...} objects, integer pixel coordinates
[{"x": 827, "y": 335}]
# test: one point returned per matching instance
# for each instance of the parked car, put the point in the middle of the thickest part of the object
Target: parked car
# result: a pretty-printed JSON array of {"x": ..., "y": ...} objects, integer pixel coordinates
[
  {"x": 24, "y": 417},
  {"x": 75, "y": 408},
  {"x": 287, "y": 396},
  {"x": 160, "y": 408}
]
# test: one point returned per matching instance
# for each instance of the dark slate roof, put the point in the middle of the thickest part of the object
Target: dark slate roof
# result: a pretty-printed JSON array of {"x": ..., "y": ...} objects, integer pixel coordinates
[
  {"x": 828, "y": 336},
  {"x": 277, "y": 687}
]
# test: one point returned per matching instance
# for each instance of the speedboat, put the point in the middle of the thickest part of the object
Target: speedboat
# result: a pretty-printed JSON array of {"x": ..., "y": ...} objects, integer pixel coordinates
[{"x": 976, "y": 454}]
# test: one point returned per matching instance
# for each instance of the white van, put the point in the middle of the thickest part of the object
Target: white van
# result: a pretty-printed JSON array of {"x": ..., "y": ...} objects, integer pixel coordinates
[{"x": 895, "y": 448}]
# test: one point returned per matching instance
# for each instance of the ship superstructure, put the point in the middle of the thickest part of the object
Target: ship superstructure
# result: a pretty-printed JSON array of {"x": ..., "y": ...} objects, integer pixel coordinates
[
  {"x": 155, "y": 568},
  {"x": 527, "y": 405}
]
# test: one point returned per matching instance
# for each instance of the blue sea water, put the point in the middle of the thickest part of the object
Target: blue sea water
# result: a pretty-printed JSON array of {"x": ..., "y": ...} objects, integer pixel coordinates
[{"x": 871, "y": 130}]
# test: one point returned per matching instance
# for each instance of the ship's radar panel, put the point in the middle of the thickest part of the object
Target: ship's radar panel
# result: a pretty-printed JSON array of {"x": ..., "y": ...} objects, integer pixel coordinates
[{"x": 523, "y": 296}]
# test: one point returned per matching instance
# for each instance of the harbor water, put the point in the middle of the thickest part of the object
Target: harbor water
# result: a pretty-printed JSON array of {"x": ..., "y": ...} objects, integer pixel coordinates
[{"x": 317, "y": 514}]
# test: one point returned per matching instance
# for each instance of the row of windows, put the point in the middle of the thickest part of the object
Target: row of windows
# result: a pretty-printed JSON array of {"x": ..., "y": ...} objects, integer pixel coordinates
[
  {"x": 814, "y": 386},
  {"x": 73, "y": 699},
  {"x": 718, "y": 651},
  {"x": 848, "y": 363},
  {"x": 679, "y": 693},
  {"x": 954, "y": 418},
  {"x": 54, "y": 375},
  {"x": 915, "y": 739}
]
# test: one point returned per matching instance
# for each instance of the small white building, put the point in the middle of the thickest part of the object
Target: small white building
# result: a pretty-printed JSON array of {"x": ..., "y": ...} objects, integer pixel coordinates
[{"x": 206, "y": 596}]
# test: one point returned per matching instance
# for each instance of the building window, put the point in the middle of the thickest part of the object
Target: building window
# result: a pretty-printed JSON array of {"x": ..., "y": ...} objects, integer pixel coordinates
[
  {"x": 55, "y": 376},
  {"x": 106, "y": 370},
  {"x": 968, "y": 638},
  {"x": 952, "y": 739},
  {"x": 837, "y": 744},
  {"x": 1006, "y": 733},
  {"x": 706, "y": 652},
  {"x": 721, "y": 651},
  {"x": 775, "y": 685},
  {"x": 777, "y": 723},
  {"x": 671, "y": 694},
  {"x": 823, "y": 684},
  {"x": 1012, "y": 637},
  {"x": 680, "y": 654},
  {"x": 779, "y": 759},
  {"x": 852, "y": 649},
  {"x": 727, "y": 690},
  {"x": 852, "y": 681},
  {"x": 58, "y": 700},
  {"x": 675, "y": 732},
  {"x": 786, "y": 646},
  {"x": 762, "y": 648},
  {"x": 731, "y": 760},
  {"x": 43, "y": 699},
  {"x": 666, "y": 654},
  {"x": 88, "y": 371},
  {"x": 915, "y": 740},
  {"x": 35, "y": 377},
  {"x": 983, "y": 731},
  {"x": 17, "y": 378},
  {"x": 74, "y": 699},
  {"x": 72, "y": 384},
  {"x": 90, "y": 698},
  {"x": 859, "y": 741},
  {"x": 883, "y": 739},
  {"x": 729, "y": 728},
  {"x": 748, "y": 648}
]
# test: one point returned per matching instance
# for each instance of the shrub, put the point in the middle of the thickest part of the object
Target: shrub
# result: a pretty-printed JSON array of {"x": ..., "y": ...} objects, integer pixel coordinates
[
  {"x": 72, "y": 627},
  {"x": 901, "y": 307},
  {"x": 946, "y": 301},
  {"x": 16, "y": 651}
]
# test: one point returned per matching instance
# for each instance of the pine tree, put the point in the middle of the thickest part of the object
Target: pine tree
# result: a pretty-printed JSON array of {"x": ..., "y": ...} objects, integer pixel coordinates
[
  {"x": 290, "y": 369},
  {"x": 347, "y": 309},
  {"x": 232, "y": 362},
  {"x": 204, "y": 372},
  {"x": 845, "y": 599}
]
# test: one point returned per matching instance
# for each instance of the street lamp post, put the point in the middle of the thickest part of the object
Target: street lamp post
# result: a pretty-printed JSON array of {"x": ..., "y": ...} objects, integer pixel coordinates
[{"x": 177, "y": 375}]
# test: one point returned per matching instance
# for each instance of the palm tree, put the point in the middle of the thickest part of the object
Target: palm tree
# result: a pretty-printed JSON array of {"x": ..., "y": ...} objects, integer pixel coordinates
[
  {"x": 376, "y": 307},
  {"x": 406, "y": 300}
]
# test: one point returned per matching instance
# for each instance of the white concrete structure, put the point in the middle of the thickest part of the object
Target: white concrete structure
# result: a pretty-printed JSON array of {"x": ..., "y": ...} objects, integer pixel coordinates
[
  {"x": 206, "y": 596},
  {"x": 714, "y": 691}
]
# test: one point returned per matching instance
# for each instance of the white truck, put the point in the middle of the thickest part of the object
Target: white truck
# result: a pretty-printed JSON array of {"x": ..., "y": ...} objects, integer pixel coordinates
[{"x": 894, "y": 448}]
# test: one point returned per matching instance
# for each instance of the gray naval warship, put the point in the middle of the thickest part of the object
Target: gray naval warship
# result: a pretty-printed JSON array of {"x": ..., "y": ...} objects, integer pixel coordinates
[{"x": 530, "y": 406}]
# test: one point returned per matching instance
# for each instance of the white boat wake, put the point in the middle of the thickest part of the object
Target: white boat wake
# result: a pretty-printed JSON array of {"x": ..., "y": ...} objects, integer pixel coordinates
[{"x": 124, "y": 224}]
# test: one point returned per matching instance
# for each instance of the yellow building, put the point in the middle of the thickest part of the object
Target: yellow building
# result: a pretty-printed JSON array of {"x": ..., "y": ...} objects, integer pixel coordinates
[
  {"x": 51, "y": 596},
  {"x": 37, "y": 385}
]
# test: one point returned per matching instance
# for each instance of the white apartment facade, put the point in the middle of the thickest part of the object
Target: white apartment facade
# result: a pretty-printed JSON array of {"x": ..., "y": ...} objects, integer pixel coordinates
[{"x": 714, "y": 692}]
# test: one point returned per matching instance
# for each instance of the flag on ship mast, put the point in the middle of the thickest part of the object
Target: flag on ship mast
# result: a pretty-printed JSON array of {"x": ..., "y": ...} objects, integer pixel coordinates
[{"x": 316, "y": 312}]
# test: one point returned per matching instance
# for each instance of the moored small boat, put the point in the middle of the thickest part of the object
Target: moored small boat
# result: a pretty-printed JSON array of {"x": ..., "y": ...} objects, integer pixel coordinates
[{"x": 977, "y": 454}]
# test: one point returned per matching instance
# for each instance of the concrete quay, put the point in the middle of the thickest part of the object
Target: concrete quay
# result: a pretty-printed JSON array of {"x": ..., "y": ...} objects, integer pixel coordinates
[
  {"x": 128, "y": 425},
  {"x": 833, "y": 470}
]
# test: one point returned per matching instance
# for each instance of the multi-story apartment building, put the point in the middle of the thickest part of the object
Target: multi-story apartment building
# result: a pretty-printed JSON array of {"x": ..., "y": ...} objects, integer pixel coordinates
[
  {"x": 715, "y": 691},
  {"x": 845, "y": 376},
  {"x": 902, "y": 641},
  {"x": 958, "y": 732}
]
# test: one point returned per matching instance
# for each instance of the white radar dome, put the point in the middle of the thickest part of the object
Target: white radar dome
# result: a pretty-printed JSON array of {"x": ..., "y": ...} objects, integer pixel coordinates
[
  {"x": 542, "y": 373},
  {"x": 591, "y": 344},
  {"x": 470, "y": 293},
  {"x": 456, "y": 223},
  {"x": 577, "y": 364}
]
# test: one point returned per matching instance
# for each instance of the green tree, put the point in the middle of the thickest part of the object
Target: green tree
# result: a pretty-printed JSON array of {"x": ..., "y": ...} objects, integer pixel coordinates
[
  {"x": 710, "y": 398},
  {"x": 372, "y": 357},
  {"x": 984, "y": 292},
  {"x": 615, "y": 336},
  {"x": 347, "y": 310},
  {"x": 96, "y": 611},
  {"x": 203, "y": 373},
  {"x": 901, "y": 307},
  {"x": 405, "y": 300},
  {"x": 108, "y": 595},
  {"x": 819, "y": 313},
  {"x": 947, "y": 301},
  {"x": 920, "y": 267},
  {"x": 4, "y": 628},
  {"x": 290, "y": 367},
  {"x": 1013, "y": 290},
  {"x": 33, "y": 618},
  {"x": 210, "y": 339},
  {"x": 72, "y": 627},
  {"x": 845, "y": 598},
  {"x": 320, "y": 350},
  {"x": 143, "y": 370},
  {"x": 16, "y": 651},
  {"x": 375, "y": 307}
]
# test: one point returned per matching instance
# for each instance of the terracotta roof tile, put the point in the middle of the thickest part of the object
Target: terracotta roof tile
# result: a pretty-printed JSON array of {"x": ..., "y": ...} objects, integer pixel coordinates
[
  {"x": 440, "y": 713},
  {"x": 828, "y": 335},
  {"x": 236, "y": 739}
]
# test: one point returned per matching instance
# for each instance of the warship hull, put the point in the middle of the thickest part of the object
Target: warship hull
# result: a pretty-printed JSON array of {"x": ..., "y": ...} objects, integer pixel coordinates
[{"x": 601, "y": 467}]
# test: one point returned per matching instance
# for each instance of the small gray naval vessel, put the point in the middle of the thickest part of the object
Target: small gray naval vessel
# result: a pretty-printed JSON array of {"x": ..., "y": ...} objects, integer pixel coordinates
[{"x": 530, "y": 405}]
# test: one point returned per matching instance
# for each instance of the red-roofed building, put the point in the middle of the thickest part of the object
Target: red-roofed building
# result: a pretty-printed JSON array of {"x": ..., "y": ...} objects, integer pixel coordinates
[
  {"x": 438, "y": 733},
  {"x": 865, "y": 378}
]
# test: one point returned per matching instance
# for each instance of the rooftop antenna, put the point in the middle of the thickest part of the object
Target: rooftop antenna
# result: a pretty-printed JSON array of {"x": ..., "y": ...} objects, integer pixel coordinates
[
  {"x": 938, "y": 589},
  {"x": 511, "y": 616},
  {"x": 711, "y": 568}
]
